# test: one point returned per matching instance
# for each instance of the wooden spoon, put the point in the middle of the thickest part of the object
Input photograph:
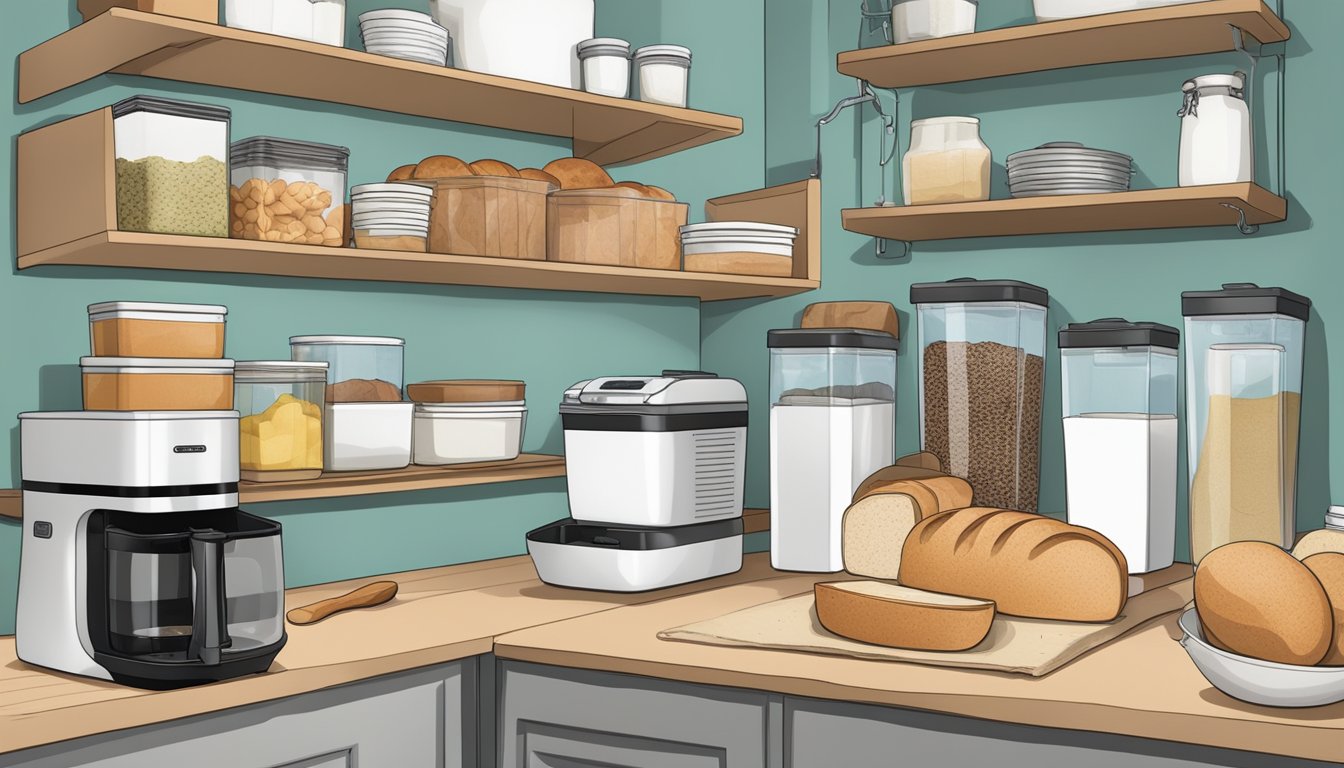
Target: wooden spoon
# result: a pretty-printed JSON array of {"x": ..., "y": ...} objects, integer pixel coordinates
[{"x": 367, "y": 596}]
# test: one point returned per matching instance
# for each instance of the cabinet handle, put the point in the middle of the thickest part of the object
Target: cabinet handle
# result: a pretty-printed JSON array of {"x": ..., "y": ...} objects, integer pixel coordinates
[{"x": 367, "y": 596}]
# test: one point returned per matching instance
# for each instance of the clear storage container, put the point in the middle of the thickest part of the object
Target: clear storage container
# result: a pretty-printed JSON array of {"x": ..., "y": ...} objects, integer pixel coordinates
[
  {"x": 946, "y": 163},
  {"x": 288, "y": 191},
  {"x": 280, "y": 434},
  {"x": 363, "y": 369},
  {"x": 605, "y": 65},
  {"x": 1243, "y": 372},
  {"x": 832, "y": 424},
  {"x": 155, "y": 329},
  {"x": 318, "y": 21},
  {"x": 156, "y": 384},
  {"x": 172, "y": 162},
  {"x": 1120, "y": 435},
  {"x": 981, "y": 384},
  {"x": 664, "y": 74}
]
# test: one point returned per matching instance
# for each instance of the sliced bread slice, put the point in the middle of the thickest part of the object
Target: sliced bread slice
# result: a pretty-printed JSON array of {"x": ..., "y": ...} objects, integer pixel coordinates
[{"x": 901, "y": 617}]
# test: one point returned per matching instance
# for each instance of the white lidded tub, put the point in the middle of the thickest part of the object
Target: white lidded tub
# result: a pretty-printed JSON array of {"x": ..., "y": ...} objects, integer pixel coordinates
[
  {"x": 1051, "y": 10},
  {"x": 462, "y": 434},
  {"x": 367, "y": 436},
  {"x": 526, "y": 39}
]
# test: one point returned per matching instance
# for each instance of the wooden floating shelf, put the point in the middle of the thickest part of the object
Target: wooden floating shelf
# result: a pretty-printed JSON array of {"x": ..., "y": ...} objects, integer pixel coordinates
[
  {"x": 528, "y": 466},
  {"x": 212, "y": 254},
  {"x": 605, "y": 130},
  {"x": 1173, "y": 208},
  {"x": 1154, "y": 33}
]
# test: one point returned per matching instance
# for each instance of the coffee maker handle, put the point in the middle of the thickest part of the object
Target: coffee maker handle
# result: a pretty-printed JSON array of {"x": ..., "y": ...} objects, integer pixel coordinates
[{"x": 208, "y": 619}]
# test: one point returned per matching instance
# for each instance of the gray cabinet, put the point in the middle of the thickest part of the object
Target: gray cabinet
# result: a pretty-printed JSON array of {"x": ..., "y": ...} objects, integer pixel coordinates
[
  {"x": 840, "y": 735},
  {"x": 565, "y": 718},
  {"x": 424, "y": 718}
]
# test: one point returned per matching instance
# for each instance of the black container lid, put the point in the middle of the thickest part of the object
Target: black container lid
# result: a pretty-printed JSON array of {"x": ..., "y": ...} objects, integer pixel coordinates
[
  {"x": 1118, "y": 332},
  {"x": 270, "y": 150},
  {"x": 968, "y": 289},
  {"x": 173, "y": 107},
  {"x": 1245, "y": 299},
  {"x": 831, "y": 337}
]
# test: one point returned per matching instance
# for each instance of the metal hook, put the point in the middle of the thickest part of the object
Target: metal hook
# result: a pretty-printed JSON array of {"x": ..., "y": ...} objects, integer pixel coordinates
[
  {"x": 1242, "y": 226},
  {"x": 906, "y": 249}
]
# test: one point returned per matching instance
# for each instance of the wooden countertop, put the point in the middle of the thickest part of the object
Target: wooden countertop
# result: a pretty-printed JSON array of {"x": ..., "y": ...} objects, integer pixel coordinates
[
  {"x": 1142, "y": 685},
  {"x": 439, "y": 615}
]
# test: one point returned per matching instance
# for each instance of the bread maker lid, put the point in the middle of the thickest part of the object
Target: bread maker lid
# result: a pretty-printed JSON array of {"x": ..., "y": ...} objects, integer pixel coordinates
[
  {"x": 629, "y": 538},
  {"x": 688, "y": 390}
]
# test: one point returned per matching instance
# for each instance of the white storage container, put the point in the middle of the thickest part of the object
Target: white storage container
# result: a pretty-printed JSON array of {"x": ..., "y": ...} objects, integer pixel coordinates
[
  {"x": 1120, "y": 435},
  {"x": 461, "y": 434},
  {"x": 606, "y": 66},
  {"x": 664, "y": 74},
  {"x": 571, "y": 554},
  {"x": 832, "y": 424},
  {"x": 1216, "y": 143},
  {"x": 367, "y": 436},
  {"x": 665, "y": 450},
  {"x": 526, "y": 39},
  {"x": 318, "y": 21},
  {"x": 1050, "y": 10},
  {"x": 923, "y": 19}
]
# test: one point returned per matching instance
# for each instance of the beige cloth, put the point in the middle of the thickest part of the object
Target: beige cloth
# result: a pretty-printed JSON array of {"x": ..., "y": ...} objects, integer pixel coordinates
[{"x": 1024, "y": 646}]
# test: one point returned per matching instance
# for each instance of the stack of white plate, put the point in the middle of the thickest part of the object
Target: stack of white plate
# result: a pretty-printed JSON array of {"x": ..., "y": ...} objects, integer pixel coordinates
[
  {"x": 737, "y": 237},
  {"x": 1067, "y": 168},
  {"x": 405, "y": 35},
  {"x": 391, "y": 210}
]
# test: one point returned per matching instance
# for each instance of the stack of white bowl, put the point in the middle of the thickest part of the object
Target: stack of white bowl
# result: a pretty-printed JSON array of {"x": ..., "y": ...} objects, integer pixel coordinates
[
  {"x": 391, "y": 210},
  {"x": 1067, "y": 168},
  {"x": 737, "y": 237},
  {"x": 406, "y": 35}
]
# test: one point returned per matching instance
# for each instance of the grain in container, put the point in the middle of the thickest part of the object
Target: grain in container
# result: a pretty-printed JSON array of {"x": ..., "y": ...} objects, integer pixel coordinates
[
  {"x": 280, "y": 432},
  {"x": 318, "y": 21},
  {"x": 1243, "y": 400},
  {"x": 156, "y": 384},
  {"x": 664, "y": 74},
  {"x": 1216, "y": 143},
  {"x": 287, "y": 191},
  {"x": 832, "y": 424},
  {"x": 923, "y": 19},
  {"x": 1120, "y": 435},
  {"x": 946, "y": 163},
  {"x": 172, "y": 166},
  {"x": 156, "y": 329},
  {"x": 981, "y": 372},
  {"x": 605, "y": 66}
]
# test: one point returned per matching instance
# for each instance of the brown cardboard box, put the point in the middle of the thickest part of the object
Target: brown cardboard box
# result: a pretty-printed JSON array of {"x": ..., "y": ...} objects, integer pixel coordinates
[
  {"x": 197, "y": 10},
  {"x": 616, "y": 226},
  {"x": 489, "y": 216}
]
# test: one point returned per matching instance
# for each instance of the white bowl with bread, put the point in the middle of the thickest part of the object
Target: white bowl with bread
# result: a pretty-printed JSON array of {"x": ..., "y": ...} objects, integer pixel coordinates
[{"x": 1258, "y": 681}]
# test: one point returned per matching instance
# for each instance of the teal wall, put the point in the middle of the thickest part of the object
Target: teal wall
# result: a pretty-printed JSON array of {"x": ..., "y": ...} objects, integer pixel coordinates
[
  {"x": 1126, "y": 107},
  {"x": 548, "y": 339}
]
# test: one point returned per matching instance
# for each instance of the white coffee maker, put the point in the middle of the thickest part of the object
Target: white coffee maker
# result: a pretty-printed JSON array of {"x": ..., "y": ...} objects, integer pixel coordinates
[{"x": 137, "y": 564}]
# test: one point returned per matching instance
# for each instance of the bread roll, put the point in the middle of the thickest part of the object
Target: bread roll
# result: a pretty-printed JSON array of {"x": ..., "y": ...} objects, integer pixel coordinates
[
  {"x": 577, "y": 173},
  {"x": 1259, "y": 601},
  {"x": 658, "y": 193},
  {"x": 536, "y": 174},
  {"x": 404, "y": 173},
  {"x": 901, "y": 617},
  {"x": 494, "y": 168},
  {"x": 441, "y": 167},
  {"x": 1028, "y": 564},
  {"x": 1316, "y": 542},
  {"x": 635, "y": 185},
  {"x": 1328, "y": 567},
  {"x": 922, "y": 460},
  {"x": 874, "y": 528},
  {"x": 888, "y": 475}
]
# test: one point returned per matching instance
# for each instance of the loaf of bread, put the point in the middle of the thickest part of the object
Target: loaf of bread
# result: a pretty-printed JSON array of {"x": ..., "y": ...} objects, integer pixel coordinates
[
  {"x": 658, "y": 193},
  {"x": 921, "y": 460},
  {"x": 874, "y": 528},
  {"x": 1316, "y": 542},
  {"x": 536, "y": 174},
  {"x": 900, "y": 617},
  {"x": 577, "y": 173},
  {"x": 494, "y": 168},
  {"x": 1030, "y": 565},
  {"x": 1328, "y": 567},
  {"x": 404, "y": 173},
  {"x": 441, "y": 167},
  {"x": 884, "y": 477}
]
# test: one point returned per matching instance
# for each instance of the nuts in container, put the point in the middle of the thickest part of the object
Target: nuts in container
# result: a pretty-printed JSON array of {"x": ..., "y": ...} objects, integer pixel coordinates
[{"x": 288, "y": 191}]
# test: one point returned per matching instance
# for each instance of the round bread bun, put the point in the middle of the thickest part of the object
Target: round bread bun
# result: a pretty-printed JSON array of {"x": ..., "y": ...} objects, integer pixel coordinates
[
  {"x": 658, "y": 193},
  {"x": 1329, "y": 569},
  {"x": 1259, "y": 601},
  {"x": 494, "y": 168},
  {"x": 441, "y": 166},
  {"x": 636, "y": 186},
  {"x": 536, "y": 174},
  {"x": 577, "y": 173},
  {"x": 404, "y": 173}
]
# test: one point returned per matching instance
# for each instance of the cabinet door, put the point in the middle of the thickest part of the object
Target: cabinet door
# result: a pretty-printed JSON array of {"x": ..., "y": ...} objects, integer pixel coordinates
[
  {"x": 563, "y": 718},
  {"x": 412, "y": 720},
  {"x": 839, "y": 735}
]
